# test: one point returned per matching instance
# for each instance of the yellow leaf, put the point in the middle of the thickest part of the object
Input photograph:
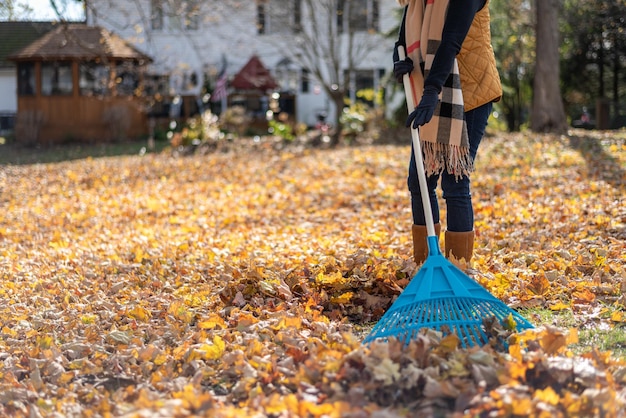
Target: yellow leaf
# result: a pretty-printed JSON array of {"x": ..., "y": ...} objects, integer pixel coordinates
[
  {"x": 583, "y": 296},
  {"x": 515, "y": 350},
  {"x": 180, "y": 311},
  {"x": 213, "y": 321},
  {"x": 522, "y": 406},
  {"x": 215, "y": 350},
  {"x": 343, "y": 298},
  {"x": 287, "y": 322},
  {"x": 618, "y": 316},
  {"x": 509, "y": 323},
  {"x": 139, "y": 255},
  {"x": 547, "y": 395},
  {"x": 572, "y": 337},
  {"x": 330, "y": 279},
  {"x": 559, "y": 306},
  {"x": 140, "y": 313},
  {"x": 44, "y": 342},
  {"x": 9, "y": 331},
  {"x": 553, "y": 341},
  {"x": 65, "y": 378},
  {"x": 449, "y": 343},
  {"x": 517, "y": 371}
]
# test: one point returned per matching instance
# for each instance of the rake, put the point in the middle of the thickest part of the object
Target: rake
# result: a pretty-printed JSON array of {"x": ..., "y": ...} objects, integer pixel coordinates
[{"x": 440, "y": 296}]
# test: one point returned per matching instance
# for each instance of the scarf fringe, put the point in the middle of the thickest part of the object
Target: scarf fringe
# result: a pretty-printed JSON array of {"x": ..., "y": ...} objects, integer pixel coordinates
[{"x": 454, "y": 159}]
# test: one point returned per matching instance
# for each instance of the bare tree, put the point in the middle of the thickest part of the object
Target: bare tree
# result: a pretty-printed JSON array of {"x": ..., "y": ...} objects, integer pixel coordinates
[
  {"x": 331, "y": 39},
  {"x": 14, "y": 9},
  {"x": 548, "y": 112}
]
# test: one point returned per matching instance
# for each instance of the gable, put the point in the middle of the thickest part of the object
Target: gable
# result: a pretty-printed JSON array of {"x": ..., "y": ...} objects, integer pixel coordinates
[{"x": 254, "y": 76}]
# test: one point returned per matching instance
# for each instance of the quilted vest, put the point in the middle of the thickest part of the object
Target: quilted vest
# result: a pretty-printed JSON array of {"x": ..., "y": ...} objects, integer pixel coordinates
[{"x": 480, "y": 80}]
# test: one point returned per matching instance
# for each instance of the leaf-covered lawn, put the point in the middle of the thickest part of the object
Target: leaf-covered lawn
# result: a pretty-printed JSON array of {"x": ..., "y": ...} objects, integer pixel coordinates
[{"x": 242, "y": 283}]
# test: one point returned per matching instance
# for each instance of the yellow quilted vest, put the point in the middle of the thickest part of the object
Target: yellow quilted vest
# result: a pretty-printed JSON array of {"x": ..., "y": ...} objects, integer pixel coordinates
[{"x": 480, "y": 80}]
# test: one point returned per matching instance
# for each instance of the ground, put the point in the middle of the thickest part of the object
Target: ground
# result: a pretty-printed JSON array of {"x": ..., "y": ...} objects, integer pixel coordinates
[{"x": 242, "y": 283}]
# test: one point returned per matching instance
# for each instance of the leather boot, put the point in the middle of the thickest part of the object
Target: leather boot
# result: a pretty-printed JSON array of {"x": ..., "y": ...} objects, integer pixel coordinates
[
  {"x": 459, "y": 246},
  {"x": 420, "y": 242}
]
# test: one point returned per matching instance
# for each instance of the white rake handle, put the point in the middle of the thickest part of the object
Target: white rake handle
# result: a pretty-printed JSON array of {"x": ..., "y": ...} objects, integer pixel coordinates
[{"x": 417, "y": 150}]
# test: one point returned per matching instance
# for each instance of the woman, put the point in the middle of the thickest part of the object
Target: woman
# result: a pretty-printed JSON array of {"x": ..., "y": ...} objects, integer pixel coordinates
[{"x": 457, "y": 81}]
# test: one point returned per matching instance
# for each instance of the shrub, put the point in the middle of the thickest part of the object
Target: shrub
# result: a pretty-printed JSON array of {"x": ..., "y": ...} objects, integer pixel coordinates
[
  {"x": 196, "y": 131},
  {"x": 282, "y": 130}
]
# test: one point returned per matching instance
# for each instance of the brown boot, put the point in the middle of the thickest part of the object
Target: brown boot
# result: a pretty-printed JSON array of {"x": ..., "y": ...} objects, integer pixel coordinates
[
  {"x": 420, "y": 243},
  {"x": 459, "y": 246}
]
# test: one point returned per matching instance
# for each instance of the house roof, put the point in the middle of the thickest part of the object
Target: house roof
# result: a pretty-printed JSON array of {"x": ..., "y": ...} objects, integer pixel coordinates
[
  {"x": 17, "y": 35},
  {"x": 254, "y": 76},
  {"x": 79, "y": 41}
]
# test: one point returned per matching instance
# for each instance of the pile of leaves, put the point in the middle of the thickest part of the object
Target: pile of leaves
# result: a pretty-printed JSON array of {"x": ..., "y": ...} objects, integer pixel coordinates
[{"x": 242, "y": 284}]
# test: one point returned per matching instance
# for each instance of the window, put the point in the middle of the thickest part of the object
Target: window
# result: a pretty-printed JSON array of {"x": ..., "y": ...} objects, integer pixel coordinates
[
  {"x": 93, "y": 79},
  {"x": 156, "y": 89},
  {"x": 360, "y": 82},
  {"x": 26, "y": 79},
  {"x": 191, "y": 10},
  {"x": 157, "y": 85},
  {"x": 126, "y": 79},
  {"x": 278, "y": 16},
  {"x": 358, "y": 15},
  {"x": 287, "y": 75},
  {"x": 156, "y": 14},
  {"x": 7, "y": 122},
  {"x": 56, "y": 78},
  {"x": 174, "y": 14},
  {"x": 306, "y": 80}
]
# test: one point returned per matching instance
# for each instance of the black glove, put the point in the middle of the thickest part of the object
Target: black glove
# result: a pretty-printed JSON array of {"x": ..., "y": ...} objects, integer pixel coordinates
[
  {"x": 400, "y": 68},
  {"x": 424, "y": 111}
]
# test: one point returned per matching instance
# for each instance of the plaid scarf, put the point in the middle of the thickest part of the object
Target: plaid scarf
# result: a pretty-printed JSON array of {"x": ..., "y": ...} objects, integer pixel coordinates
[{"x": 444, "y": 140}]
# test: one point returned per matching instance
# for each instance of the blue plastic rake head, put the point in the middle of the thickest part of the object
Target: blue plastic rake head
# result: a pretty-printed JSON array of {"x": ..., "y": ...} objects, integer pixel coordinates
[{"x": 442, "y": 297}]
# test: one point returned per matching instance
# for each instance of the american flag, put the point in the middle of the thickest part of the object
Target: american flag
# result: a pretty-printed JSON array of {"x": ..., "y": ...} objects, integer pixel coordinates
[{"x": 219, "y": 92}]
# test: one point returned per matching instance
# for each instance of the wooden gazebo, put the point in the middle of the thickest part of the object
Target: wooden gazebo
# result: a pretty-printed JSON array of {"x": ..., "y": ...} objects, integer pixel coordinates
[
  {"x": 79, "y": 83},
  {"x": 251, "y": 88}
]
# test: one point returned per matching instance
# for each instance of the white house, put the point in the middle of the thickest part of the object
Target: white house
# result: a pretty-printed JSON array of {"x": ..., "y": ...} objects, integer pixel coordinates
[{"x": 191, "y": 40}]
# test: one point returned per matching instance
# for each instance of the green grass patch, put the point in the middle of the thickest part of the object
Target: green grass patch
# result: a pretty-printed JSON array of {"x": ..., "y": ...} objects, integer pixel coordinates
[
  {"x": 16, "y": 154},
  {"x": 595, "y": 330}
]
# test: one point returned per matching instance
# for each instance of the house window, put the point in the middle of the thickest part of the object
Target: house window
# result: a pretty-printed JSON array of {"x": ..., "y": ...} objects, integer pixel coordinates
[
  {"x": 126, "y": 79},
  {"x": 56, "y": 78},
  {"x": 156, "y": 14},
  {"x": 93, "y": 79},
  {"x": 156, "y": 86},
  {"x": 191, "y": 10},
  {"x": 305, "y": 81},
  {"x": 358, "y": 15},
  {"x": 278, "y": 16},
  {"x": 156, "y": 89},
  {"x": 361, "y": 80},
  {"x": 26, "y": 79},
  {"x": 174, "y": 15},
  {"x": 184, "y": 15}
]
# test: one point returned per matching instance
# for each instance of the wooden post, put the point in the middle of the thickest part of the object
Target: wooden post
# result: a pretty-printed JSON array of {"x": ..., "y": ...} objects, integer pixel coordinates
[
  {"x": 75, "y": 79},
  {"x": 38, "y": 81}
]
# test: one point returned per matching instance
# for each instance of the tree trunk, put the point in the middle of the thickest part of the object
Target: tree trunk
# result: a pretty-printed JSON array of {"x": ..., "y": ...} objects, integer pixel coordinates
[
  {"x": 335, "y": 137},
  {"x": 548, "y": 112}
]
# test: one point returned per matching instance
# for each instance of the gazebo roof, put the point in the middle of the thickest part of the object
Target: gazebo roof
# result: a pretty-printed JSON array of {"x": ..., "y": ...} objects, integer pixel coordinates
[
  {"x": 254, "y": 76},
  {"x": 79, "y": 41}
]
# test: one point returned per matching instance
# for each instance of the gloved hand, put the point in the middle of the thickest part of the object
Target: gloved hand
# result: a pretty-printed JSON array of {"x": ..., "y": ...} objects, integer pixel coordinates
[
  {"x": 402, "y": 67},
  {"x": 424, "y": 111}
]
